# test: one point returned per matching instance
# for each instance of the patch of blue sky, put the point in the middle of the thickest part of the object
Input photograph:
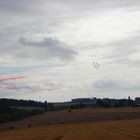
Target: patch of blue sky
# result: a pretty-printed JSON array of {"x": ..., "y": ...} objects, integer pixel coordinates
[
  {"x": 17, "y": 70},
  {"x": 12, "y": 70}
]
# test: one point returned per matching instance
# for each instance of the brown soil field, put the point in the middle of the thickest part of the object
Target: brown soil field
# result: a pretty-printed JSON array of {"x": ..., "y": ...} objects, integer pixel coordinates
[
  {"x": 76, "y": 116},
  {"x": 103, "y": 130}
]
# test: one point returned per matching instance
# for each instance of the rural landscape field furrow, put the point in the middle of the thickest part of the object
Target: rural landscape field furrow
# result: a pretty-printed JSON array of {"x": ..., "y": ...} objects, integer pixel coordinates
[
  {"x": 109, "y": 130},
  {"x": 122, "y": 132},
  {"x": 76, "y": 116}
]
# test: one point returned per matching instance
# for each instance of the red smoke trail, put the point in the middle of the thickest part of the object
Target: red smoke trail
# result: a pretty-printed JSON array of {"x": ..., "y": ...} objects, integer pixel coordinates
[
  {"x": 39, "y": 90},
  {"x": 12, "y": 78},
  {"x": 27, "y": 88},
  {"x": 12, "y": 88},
  {"x": 8, "y": 88}
]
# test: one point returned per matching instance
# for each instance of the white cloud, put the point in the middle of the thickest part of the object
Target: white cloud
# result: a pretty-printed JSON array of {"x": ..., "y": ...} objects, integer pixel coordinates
[{"x": 42, "y": 37}]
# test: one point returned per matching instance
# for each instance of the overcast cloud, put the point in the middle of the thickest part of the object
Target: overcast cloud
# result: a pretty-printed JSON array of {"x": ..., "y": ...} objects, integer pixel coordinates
[{"x": 54, "y": 44}]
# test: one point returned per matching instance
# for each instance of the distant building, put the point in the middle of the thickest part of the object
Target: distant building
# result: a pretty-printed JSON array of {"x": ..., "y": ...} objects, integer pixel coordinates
[
  {"x": 112, "y": 102},
  {"x": 137, "y": 100},
  {"x": 83, "y": 100}
]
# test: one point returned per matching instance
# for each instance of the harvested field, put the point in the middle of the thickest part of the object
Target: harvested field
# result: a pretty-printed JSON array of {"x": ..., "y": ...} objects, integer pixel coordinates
[
  {"x": 106, "y": 130},
  {"x": 77, "y": 116}
]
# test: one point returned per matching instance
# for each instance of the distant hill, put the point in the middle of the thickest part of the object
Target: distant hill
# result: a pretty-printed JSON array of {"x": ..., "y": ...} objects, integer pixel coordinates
[
  {"x": 14, "y": 102},
  {"x": 10, "y": 109}
]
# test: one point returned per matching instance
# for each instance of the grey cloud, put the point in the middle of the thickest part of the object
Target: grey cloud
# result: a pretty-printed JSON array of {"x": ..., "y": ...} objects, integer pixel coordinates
[
  {"x": 19, "y": 6},
  {"x": 124, "y": 48},
  {"x": 49, "y": 48},
  {"x": 121, "y": 50},
  {"x": 114, "y": 84},
  {"x": 35, "y": 6},
  {"x": 130, "y": 42}
]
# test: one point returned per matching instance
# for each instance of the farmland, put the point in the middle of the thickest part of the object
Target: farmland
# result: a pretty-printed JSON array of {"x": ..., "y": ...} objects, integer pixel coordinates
[
  {"x": 85, "y": 124},
  {"x": 77, "y": 116},
  {"x": 116, "y": 130}
]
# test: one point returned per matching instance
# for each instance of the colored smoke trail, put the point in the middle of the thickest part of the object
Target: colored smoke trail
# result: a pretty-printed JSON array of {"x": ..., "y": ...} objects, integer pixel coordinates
[
  {"x": 39, "y": 90},
  {"x": 27, "y": 88},
  {"x": 11, "y": 78},
  {"x": 8, "y": 88}
]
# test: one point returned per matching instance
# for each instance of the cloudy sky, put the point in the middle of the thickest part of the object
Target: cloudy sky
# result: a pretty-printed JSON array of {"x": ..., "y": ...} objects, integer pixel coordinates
[{"x": 56, "y": 50}]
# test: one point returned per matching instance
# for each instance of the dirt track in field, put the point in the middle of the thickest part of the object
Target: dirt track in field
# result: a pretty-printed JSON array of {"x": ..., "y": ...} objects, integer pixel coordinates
[{"x": 77, "y": 116}]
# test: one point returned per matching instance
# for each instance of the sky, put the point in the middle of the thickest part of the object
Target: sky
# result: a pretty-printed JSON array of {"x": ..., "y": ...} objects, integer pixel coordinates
[{"x": 58, "y": 50}]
